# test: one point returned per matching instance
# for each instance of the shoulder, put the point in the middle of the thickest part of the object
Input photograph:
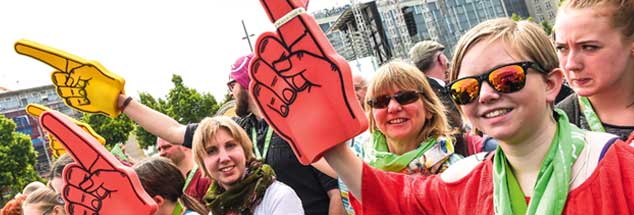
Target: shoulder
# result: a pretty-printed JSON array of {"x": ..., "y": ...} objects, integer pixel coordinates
[
  {"x": 463, "y": 167},
  {"x": 569, "y": 104},
  {"x": 280, "y": 199}
]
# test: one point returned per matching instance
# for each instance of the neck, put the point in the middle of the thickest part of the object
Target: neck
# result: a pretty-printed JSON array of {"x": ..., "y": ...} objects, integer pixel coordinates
[
  {"x": 400, "y": 147},
  {"x": 525, "y": 154},
  {"x": 167, "y": 208},
  {"x": 186, "y": 165},
  {"x": 436, "y": 72},
  {"x": 254, "y": 109},
  {"x": 615, "y": 106}
]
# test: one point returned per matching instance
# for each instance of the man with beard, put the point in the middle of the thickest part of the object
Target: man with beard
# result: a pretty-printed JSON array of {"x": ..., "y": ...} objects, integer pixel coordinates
[
  {"x": 319, "y": 193},
  {"x": 196, "y": 185}
]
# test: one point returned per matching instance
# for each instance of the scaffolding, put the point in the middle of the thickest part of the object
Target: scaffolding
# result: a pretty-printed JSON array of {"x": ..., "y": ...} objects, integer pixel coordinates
[{"x": 398, "y": 35}]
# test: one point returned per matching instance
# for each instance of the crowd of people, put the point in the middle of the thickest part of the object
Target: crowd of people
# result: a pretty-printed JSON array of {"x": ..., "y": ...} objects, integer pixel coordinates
[{"x": 489, "y": 132}]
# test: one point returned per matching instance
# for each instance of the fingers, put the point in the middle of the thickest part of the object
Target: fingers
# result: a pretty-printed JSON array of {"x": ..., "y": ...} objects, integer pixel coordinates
[
  {"x": 276, "y": 9},
  {"x": 58, "y": 59},
  {"x": 35, "y": 109},
  {"x": 271, "y": 49},
  {"x": 266, "y": 98},
  {"x": 79, "y": 209},
  {"x": 84, "y": 149},
  {"x": 266, "y": 76}
]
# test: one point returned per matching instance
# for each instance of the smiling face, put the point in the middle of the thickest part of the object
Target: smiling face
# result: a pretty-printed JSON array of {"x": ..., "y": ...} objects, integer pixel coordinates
[
  {"x": 400, "y": 122},
  {"x": 595, "y": 56},
  {"x": 508, "y": 117},
  {"x": 225, "y": 160}
]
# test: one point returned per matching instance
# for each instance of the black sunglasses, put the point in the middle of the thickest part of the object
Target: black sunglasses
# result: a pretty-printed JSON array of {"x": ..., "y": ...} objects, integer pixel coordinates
[
  {"x": 507, "y": 78},
  {"x": 403, "y": 98}
]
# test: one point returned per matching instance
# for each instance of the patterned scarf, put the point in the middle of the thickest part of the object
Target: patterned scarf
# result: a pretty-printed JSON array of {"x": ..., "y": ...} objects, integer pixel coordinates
[
  {"x": 552, "y": 185},
  {"x": 385, "y": 160},
  {"x": 245, "y": 195}
]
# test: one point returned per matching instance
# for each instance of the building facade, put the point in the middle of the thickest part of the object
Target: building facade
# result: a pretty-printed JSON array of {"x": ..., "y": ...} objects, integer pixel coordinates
[{"x": 12, "y": 106}]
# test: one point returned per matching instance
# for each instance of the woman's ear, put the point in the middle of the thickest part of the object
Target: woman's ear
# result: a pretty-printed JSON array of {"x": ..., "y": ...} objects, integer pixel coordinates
[
  {"x": 159, "y": 200},
  {"x": 554, "y": 80}
]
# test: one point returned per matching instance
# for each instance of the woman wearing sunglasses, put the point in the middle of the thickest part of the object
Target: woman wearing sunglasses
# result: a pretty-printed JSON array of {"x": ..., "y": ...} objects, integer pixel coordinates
[
  {"x": 44, "y": 201},
  {"x": 506, "y": 79},
  {"x": 409, "y": 131},
  {"x": 595, "y": 46}
]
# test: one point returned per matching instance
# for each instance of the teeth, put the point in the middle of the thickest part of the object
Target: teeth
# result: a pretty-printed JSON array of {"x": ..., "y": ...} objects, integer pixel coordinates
[
  {"x": 396, "y": 121},
  {"x": 497, "y": 113},
  {"x": 226, "y": 169}
]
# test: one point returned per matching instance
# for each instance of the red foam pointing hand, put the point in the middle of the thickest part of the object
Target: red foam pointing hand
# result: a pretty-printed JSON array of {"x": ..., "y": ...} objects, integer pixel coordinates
[
  {"x": 302, "y": 87},
  {"x": 97, "y": 183}
]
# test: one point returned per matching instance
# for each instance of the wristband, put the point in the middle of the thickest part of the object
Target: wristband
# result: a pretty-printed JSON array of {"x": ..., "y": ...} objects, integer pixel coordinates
[{"x": 125, "y": 103}]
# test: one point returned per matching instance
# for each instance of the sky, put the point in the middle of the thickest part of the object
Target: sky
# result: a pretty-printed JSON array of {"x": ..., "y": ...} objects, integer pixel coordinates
[{"x": 144, "y": 41}]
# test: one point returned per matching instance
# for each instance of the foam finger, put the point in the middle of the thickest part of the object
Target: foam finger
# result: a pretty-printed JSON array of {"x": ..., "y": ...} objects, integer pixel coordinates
[
  {"x": 73, "y": 208},
  {"x": 61, "y": 79},
  {"x": 56, "y": 58},
  {"x": 76, "y": 195},
  {"x": 270, "y": 49},
  {"x": 67, "y": 92},
  {"x": 266, "y": 98},
  {"x": 264, "y": 74},
  {"x": 276, "y": 9},
  {"x": 35, "y": 109}
]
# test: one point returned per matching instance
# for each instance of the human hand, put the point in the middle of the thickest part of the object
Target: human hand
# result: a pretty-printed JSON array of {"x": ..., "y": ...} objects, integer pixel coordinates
[
  {"x": 96, "y": 183},
  {"x": 302, "y": 87},
  {"x": 36, "y": 110},
  {"x": 84, "y": 85}
]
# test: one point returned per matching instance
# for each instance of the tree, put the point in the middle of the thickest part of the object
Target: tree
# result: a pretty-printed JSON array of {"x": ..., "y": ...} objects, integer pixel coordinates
[
  {"x": 548, "y": 28},
  {"x": 516, "y": 17},
  {"x": 17, "y": 160},
  {"x": 114, "y": 130},
  {"x": 184, "y": 104}
]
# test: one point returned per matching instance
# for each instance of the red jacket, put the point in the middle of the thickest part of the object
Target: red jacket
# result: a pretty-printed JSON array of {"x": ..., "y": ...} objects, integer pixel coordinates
[{"x": 609, "y": 190}]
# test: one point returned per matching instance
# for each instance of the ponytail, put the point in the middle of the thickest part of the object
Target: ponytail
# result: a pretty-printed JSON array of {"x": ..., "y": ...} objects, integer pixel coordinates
[{"x": 191, "y": 204}]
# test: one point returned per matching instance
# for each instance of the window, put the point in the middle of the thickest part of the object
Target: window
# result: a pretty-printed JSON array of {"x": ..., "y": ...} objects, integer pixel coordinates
[{"x": 21, "y": 121}]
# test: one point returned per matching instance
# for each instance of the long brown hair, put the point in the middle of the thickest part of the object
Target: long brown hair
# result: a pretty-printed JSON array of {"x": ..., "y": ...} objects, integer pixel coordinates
[{"x": 160, "y": 177}]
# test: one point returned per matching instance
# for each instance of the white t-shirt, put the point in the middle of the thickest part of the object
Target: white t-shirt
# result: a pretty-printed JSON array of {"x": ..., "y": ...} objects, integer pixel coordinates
[{"x": 279, "y": 198}]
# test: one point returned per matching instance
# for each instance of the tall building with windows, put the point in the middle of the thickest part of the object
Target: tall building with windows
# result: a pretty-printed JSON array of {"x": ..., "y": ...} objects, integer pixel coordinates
[
  {"x": 542, "y": 10},
  {"x": 12, "y": 106},
  {"x": 326, "y": 18}
]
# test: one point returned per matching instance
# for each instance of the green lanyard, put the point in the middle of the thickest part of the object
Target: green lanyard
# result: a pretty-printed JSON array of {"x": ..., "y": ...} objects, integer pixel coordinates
[
  {"x": 593, "y": 120},
  {"x": 178, "y": 209},
  {"x": 189, "y": 177},
  {"x": 267, "y": 141}
]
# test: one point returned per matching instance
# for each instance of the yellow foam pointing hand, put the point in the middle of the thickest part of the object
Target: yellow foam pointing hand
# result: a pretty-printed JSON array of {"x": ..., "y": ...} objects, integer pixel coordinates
[
  {"x": 36, "y": 110},
  {"x": 84, "y": 85}
]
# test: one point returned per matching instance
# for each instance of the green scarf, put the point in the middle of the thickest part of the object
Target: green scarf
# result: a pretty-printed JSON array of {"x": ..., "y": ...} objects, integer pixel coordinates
[
  {"x": 552, "y": 185},
  {"x": 387, "y": 161},
  {"x": 243, "y": 196}
]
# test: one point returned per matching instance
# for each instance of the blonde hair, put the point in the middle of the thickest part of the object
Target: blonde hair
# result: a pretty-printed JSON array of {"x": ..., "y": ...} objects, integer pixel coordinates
[
  {"x": 621, "y": 13},
  {"x": 398, "y": 74},
  {"x": 45, "y": 198},
  {"x": 206, "y": 132},
  {"x": 524, "y": 39}
]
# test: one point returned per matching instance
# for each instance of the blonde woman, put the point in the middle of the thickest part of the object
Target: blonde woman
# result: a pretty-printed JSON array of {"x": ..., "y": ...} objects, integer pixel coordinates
[{"x": 505, "y": 79}]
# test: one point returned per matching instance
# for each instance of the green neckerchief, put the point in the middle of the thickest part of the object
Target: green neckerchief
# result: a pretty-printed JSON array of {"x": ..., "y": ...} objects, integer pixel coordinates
[
  {"x": 244, "y": 195},
  {"x": 552, "y": 185},
  {"x": 593, "y": 119},
  {"x": 267, "y": 142},
  {"x": 178, "y": 210},
  {"x": 387, "y": 161}
]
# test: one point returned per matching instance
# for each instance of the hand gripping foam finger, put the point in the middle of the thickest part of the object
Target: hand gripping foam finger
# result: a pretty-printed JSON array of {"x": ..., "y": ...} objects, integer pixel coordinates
[
  {"x": 117, "y": 186},
  {"x": 84, "y": 85},
  {"x": 319, "y": 110},
  {"x": 36, "y": 110}
]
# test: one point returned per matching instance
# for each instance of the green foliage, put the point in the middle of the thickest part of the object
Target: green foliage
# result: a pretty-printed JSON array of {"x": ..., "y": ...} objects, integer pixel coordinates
[
  {"x": 17, "y": 160},
  {"x": 184, "y": 104},
  {"x": 114, "y": 130},
  {"x": 547, "y": 26},
  {"x": 516, "y": 17}
]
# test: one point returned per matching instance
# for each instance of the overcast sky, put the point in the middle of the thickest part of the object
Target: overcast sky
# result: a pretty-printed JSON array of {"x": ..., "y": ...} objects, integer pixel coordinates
[{"x": 145, "y": 41}]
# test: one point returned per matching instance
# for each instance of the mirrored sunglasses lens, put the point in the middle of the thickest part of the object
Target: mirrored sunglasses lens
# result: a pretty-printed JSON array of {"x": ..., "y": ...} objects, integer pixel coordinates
[
  {"x": 465, "y": 91},
  {"x": 508, "y": 79}
]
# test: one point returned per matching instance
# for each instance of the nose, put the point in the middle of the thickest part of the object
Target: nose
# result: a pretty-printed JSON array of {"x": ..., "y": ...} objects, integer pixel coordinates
[
  {"x": 393, "y": 106},
  {"x": 573, "y": 61},
  {"x": 223, "y": 156},
  {"x": 487, "y": 94}
]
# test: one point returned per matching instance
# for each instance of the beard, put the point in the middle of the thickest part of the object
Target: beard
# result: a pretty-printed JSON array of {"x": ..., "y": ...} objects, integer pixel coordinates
[{"x": 242, "y": 103}]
